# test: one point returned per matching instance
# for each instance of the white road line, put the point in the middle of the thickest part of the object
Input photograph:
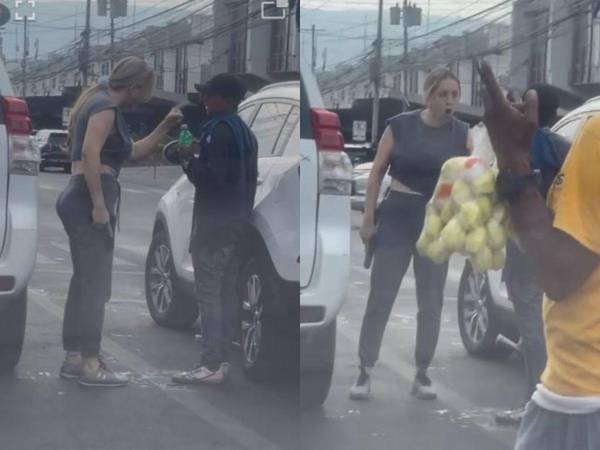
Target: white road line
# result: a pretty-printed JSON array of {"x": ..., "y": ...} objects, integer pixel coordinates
[
  {"x": 43, "y": 259},
  {"x": 205, "y": 411},
  {"x": 406, "y": 371},
  {"x": 48, "y": 187},
  {"x": 117, "y": 261}
]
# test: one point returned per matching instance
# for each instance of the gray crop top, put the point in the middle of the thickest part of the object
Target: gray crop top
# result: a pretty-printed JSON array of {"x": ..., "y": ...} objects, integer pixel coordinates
[
  {"x": 420, "y": 150},
  {"x": 118, "y": 145}
]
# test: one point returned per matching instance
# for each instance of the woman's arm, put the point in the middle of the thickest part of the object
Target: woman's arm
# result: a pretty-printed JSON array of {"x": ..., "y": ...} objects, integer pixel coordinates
[
  {"x": 145, "y": 146},
  {"x": 380, "y": 167},
  {"x": 98, "y": 129}
]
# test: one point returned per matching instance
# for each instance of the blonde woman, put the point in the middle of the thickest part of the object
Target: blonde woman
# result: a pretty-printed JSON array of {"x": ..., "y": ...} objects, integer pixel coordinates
[
  {"x": 413, "y": 148},
  {"x": 89, "y": 206}
]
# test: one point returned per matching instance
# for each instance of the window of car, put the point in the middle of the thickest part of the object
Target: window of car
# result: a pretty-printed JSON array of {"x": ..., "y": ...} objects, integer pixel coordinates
[
  {"x": 59, "y": 139},
  {"x": 290, "y": 135},
  {"x": 569, "y": 129},
  {"x": 246, "y": 113},
  {"x": 268, "y": 124}
]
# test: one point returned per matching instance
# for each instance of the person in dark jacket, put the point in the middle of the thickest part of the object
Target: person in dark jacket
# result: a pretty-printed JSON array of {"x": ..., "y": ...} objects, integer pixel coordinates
[
  {"x": 548, "y": 152},
  {"x": 224, "y": 172}
]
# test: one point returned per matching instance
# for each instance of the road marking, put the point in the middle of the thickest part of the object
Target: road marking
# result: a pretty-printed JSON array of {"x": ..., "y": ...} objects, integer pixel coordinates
[
  {"x": 117, "y": 261},
  {"x": 51, "y": 188},
  {"x": 449, "y": 398},
  {"x": 43, "y": 259},
  {"x": 70, "y": 272},
  {"x": 205, "y": 411}
]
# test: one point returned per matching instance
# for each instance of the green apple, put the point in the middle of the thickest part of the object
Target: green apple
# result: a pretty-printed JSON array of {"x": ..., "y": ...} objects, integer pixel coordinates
[
  {"x": 476, "y": 240},
  {"x": 461, "y": 193},
  {"x": 433, "y": 225},
  {"x": 447, "y": 212},
  {"x": 485, "y": 205},
  {"x": 453, "y": 236},
  {"x": 436, "y": 251},
  {"x": 498, "y": 259},
  {"x": 470, "y": 215},
  {"x": 484, "y": 184},
  {"x": 482, "y": 261},
  {"x": 496, "y": 235},
  {"x": 452, "y": 168}
]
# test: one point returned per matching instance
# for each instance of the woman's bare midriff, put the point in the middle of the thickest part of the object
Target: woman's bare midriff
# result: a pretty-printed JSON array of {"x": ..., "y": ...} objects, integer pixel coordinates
[
  {"x": 398, "y": 186},
  {"x": 77, "y": 168}
]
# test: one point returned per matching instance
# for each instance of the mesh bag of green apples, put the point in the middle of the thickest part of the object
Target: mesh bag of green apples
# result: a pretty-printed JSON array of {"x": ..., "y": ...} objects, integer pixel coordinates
[{"x": 465, "y": 216}]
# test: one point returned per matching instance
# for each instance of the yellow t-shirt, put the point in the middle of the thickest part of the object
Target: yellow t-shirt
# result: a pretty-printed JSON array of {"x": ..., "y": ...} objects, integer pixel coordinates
[{"x": 572, "y": 326}]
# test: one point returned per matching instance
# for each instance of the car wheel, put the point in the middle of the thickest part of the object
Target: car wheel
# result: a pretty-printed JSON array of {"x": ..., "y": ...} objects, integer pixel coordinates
[
  {"x": 315, "y": 382},
  {"x": 262, "y": 337},
  {"x": 12, "y": 331},
  {"x": 167, "y": 302},
  {"x": 477, "y": 320}
]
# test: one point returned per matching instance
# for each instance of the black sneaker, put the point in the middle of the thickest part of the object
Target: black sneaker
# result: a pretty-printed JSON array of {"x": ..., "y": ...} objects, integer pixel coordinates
[
  {"x": 511, "y": 417},
  {"x": 361, "y": 390}
]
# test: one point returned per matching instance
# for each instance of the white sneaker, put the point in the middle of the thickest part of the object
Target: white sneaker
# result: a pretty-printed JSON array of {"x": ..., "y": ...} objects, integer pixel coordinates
[
  {"x": 361, "y": 389},
  {"x": 423, "y": 388},
  {"x": 201, "y": 375}
]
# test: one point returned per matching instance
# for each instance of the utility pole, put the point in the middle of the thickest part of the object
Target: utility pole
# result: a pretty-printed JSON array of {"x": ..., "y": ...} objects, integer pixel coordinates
[
  {"x": 376, "y": 75},
  {"x": 25, "y": 53},
  {"x": 405, "y": 57},
  {"x": 313, "y": 64},
  {"x": 85, "y": 53},
  {"x": 24, "y": 11},
  {"x": 112, "y": 39}
]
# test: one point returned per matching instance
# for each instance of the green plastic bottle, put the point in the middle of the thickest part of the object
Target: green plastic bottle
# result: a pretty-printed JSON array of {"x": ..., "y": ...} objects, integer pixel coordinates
[{"x": 185, "y": 137}]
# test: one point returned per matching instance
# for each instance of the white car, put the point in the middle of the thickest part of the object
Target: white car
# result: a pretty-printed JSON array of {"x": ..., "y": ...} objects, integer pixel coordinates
[
  {"x": 360, "y": 178},
  {"x": 268, "y": 282},
  {"x": 18, "y": 219},
  {"x": 486, "y": 314},
  {"x": 325, "y": 188}
]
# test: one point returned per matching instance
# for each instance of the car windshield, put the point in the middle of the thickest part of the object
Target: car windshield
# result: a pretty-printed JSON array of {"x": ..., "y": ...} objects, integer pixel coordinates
[{"x": 59, "y": 139}]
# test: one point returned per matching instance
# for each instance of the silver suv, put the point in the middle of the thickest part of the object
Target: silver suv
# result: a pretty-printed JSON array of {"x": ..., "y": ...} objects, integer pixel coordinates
[{"x": 18, "y": 219}]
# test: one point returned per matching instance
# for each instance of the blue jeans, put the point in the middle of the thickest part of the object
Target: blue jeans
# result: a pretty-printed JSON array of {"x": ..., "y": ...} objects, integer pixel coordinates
[{"x": 215, "y": 273}]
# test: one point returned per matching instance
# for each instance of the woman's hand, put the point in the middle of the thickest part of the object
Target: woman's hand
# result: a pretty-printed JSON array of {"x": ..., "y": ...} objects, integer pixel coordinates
[
  {"x": 100, "y": 215},
  {"x": 173, "y": 119},
  {"x": 367, "y": 230},
  {"x": 511, "y": 126}
]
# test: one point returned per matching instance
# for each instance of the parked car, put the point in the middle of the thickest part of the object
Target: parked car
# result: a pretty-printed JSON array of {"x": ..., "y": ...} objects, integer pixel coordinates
[
  {"x": 360, "y": 178},
  {"x": 486, "y": 315},
  {"x": 18, "y": 219},
  {"x": 325, "y": 188},
  {"x": 268, "y": 283},
  {"x": 52, "y": 145}
]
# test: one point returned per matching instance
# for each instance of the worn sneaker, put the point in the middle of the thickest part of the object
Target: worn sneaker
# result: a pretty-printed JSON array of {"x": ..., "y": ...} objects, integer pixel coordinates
[
  {"x": 202, "y": 375},
  {"x": 423, "y": 388},
  {"x": 71, "y": 367},
  {"x": 512, "y": 417},
  {"x": 102, "y": 377},
  {"x": 361, "y": 389}
]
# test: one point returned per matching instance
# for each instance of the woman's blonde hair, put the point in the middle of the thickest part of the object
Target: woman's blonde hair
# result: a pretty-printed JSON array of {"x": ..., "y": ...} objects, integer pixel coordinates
[
  {"x": 435, "y": 77},
  {"x": 131, "y": 72}
]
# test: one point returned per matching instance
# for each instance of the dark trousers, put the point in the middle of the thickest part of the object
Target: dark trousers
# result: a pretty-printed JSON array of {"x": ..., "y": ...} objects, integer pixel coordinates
[
  {"x": 400, "y": 219},
  {"x": 92, "y": 258},
  {"x": 216, "y": 270}
]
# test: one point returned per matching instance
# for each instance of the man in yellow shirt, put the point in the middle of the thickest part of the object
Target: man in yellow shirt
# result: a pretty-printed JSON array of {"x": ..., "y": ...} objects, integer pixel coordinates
[{"x": 563, "y": 242}]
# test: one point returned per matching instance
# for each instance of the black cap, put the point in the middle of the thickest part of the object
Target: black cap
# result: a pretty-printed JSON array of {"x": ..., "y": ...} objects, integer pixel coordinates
[{"x": 224, "y": 85}]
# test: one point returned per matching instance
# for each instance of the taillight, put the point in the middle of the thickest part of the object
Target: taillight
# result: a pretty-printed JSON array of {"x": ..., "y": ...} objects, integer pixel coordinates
[
  {"x": 24, "y": 158},
  {"x": 335, "y": 168}
]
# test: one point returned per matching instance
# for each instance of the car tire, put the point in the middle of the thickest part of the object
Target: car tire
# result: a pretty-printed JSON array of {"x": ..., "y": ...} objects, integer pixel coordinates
[
  {"x": 12, "y": 331},
  {"x": 169, "y": 305},
  {"x": 478, "y": 321},
  {"x": 264, "y": 333},
  {"x": 315, "y": 382}
]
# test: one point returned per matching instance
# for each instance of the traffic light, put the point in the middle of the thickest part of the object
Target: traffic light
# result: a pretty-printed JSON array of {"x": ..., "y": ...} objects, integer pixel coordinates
[
  {"x": 102, "y": 8},
  {"x": 118, "y": 8}
]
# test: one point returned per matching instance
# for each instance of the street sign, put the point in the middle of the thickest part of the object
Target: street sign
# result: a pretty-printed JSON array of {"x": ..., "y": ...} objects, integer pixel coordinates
[
  {"x": 4, "y": 14},
  {"x": 24, "y": 9},
  {"x": 66, "y": 116},
  {"x": 359, "y": 130}
]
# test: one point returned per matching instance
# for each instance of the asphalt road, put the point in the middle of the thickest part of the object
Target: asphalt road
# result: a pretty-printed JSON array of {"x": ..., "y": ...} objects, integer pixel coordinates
[
  {"x": 38, "y": 410},
  {"x": 469, "y": 390}
]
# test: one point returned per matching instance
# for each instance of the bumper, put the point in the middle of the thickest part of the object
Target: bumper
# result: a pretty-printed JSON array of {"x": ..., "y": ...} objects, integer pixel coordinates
[
  {"x": 18, "y": 255},
  {"x": 56, "y": 159}
]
